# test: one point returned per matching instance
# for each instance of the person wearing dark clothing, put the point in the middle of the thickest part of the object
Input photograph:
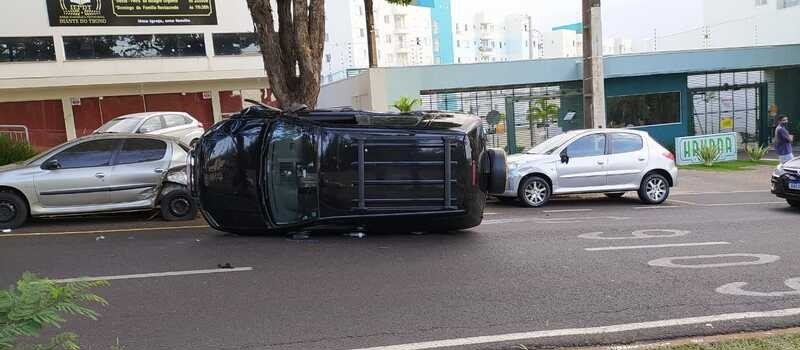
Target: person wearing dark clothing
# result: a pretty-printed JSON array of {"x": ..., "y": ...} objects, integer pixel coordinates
[{"x": 783, "y": 140}]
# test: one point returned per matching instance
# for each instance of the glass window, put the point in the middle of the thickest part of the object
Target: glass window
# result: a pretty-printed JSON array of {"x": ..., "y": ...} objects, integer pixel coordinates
[
  {"x": 292, "y": 174},
  {"x": 642, "y": 110},
  {"x": 119, "y": 125},
  {"x": 27, "y": 49},
  {"x": 87, "y": 154},
  {"x": 787, "y": 3},
  {"x": 624, "y": 143},
  {"x": 134, "y": 46},
  {"x": 761, "y": 2},
  {"x": 588, "y": 146},
  {"x": 172, "y": 120},
  {"x": 233, "y": 44},
  {"x": 151, "y": 124},
  {"x": 141, "y": 150}
]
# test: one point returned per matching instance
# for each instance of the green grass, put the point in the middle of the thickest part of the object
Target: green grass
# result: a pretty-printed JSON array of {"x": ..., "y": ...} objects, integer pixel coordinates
[
  {"x": 735, "y": 165},
  {"x": 784, "y": 342}
]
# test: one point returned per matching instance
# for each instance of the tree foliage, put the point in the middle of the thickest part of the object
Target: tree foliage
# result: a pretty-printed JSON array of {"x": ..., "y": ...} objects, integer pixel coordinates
[
  {"x": 34, "y": 304},
  {"x": 406, "y": 104},
  {"x": 542, "y": 111},
  {"x": 12, "y": 151}
]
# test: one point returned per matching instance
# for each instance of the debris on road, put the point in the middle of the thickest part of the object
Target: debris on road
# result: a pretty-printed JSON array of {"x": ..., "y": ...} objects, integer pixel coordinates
[
  {"x": 227, "y": 265},
  {"x": 100, "y": 238},
  {"x": 8, "y": 230}
]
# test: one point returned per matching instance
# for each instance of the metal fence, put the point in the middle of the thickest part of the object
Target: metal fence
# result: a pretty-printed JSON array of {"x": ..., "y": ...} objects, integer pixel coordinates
[
  {"x": 728, "y": 102},
  {"x": 17, "y": 133}
]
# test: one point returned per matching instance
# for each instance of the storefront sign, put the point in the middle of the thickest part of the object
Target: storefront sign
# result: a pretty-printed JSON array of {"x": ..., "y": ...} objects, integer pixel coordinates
[
  {"x": 687, "y": 148},
  {"x": 79, "y": 13}
]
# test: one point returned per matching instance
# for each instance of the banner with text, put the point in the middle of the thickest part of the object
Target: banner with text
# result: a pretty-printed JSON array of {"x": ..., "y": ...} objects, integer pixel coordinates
[
  {"x": 687, "y": 148},
  {"x": 131, "y": 12}
]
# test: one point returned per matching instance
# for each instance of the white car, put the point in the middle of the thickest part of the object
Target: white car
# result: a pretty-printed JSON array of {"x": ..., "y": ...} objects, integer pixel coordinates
[
  {"x": 175, "y": 124},
  {"x": 610, "y": 161}
]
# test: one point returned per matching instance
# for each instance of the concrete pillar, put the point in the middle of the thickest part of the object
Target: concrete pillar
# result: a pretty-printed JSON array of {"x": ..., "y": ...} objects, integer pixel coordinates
[
  {"x": 216, "y": 105},
  {"x": 69, "y": 118}
]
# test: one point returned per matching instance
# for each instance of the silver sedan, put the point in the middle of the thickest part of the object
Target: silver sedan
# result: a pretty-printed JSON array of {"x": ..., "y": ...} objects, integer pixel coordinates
[
  {"x": 97, "y": 174},
  {"x": 610, "y": 161}
]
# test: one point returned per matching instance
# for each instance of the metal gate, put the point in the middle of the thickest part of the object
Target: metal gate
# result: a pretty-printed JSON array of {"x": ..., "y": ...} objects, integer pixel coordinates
[
  {"x": 730, "y": 102},
  {"x": 524, "y": 115}
]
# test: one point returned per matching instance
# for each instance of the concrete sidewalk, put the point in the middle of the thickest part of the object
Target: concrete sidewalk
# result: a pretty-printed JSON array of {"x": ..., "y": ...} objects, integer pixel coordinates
[{"x": 690, "y": 181}]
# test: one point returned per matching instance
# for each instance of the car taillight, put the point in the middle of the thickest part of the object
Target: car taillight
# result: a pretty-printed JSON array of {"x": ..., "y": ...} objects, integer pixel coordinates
[
  {"x": 669, "y": 155},
  {"x": 474, "y": 174}
]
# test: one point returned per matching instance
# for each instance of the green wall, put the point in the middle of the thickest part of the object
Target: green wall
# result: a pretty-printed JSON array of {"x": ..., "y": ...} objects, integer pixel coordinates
[{"x": 787, "y": 94}]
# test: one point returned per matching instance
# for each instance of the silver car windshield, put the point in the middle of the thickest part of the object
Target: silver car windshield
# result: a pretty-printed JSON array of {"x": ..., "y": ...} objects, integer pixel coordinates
[
  {"x": 120, "y": 125},
  {"x": 551, "y": 144}
]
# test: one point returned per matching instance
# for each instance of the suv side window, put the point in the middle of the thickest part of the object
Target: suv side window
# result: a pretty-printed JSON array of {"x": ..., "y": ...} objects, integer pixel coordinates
[
  {"x": 625, "y": 143},
  {"x": 588, "y": 146},
  {"x": 173, "y": 120},
  {"x": 87, "y": 154},
  {"x": 151, "y": 124},
  {"x": 141, "y": 150}
]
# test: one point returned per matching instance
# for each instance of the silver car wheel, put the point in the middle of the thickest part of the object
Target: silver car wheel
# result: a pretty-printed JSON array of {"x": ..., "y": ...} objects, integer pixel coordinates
[
  {"x": 656, "y": 189},
  {"x": 8, "y": 211},
  {"x": 536, "y": 193}
]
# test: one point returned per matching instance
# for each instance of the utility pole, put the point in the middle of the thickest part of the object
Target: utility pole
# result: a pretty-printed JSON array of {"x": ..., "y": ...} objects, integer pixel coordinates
[{"x": 594, "y": 95}]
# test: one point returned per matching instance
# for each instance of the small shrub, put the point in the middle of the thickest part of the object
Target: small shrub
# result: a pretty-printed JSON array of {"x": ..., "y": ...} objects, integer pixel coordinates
[
  {"x": 708, "y": 153},
  {"x": 755, "y": 151},
  {"x": 406, "y": 104},
  {"x": 35, "y": 303},
  {"x": 13, "y": 151}
]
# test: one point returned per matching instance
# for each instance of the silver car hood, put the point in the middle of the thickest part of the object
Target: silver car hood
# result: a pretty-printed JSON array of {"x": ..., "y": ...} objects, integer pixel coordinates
[
  {"x": 11, "y": 167},
  {"x": 527, "y": 159}
]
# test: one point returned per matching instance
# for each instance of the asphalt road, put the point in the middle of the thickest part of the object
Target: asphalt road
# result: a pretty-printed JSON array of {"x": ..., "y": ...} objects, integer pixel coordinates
[{"x": 523, "y": 270}]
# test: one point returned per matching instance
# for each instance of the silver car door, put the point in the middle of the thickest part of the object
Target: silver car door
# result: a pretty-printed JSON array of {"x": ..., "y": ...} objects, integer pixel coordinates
[
  {"x": 81, "y": 181},
  {"x": 583, "y": 169},
  {"x": 627, "y": 160},
  {"x": 138, "y": 170}
]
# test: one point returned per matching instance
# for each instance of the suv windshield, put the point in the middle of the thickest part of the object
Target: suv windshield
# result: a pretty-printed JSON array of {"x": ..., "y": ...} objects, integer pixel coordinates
[
  {"x": 292, "y": 174},
  {"x": 551, "y": 144},
  {"x": 119, "y": 125}
]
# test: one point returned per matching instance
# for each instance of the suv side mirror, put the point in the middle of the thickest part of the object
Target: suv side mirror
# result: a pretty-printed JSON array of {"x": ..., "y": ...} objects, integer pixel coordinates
[
  {"x": 51, "y": 164},
  {"x": 564, "y": 157}
]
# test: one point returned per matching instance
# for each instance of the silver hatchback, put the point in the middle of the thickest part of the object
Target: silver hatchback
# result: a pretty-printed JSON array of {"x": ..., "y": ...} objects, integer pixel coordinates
[
  {"x": 174, "y": 124},
  {"x": 98, "y": 173}
]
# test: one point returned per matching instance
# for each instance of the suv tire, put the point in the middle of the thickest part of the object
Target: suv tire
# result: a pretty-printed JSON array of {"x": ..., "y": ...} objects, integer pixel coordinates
[
  {"x": 654, "y": 189},
  {"x": 535, "y": 192},
  {"x": 13, "y": 210}
]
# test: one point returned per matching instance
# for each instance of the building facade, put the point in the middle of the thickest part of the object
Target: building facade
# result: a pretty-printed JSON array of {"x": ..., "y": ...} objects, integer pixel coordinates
[
  {"x": 403, "y": 36},
  {"x": 68, "y": 68},
  {"x": 494, "y": 37}
]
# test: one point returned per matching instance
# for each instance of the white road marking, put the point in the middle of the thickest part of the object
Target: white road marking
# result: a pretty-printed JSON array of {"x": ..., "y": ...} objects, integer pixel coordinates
[
  {"x": 715, "y": 192},
  {"x": 489, "y": 213},
  {"x": 760, "y": 260},
  {"x": 658, "y": 207},
  {"x": 553, "y": 220},
  {"x": 738, "y": 204},
  {"x": 163, "y": 228},
  {"x": 152, "y": 275},
  {"x": 638, "y": 234},
  {"x": 655, "y": 246},
  {"x": 590, "y": 330},
  {"x": 737, "y": 288},
  {"x": 567, "y": 210},
  {"x": 682, "y": 202}
]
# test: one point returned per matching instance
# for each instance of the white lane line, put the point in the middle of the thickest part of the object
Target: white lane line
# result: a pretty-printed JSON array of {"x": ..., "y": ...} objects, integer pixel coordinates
[
  {"x": 658, "y": 207},
  {"x": 567, "y": 210},
  {"x": 165, "y": 228},
  {"x": 152, "y": 275},
  {"x": 553, "y": 220},
  {"x": 738, "y": 204},
  {"x": 681, "y": 202},
  {"x": 716, "y": 192},
  {"x": 629, "y": 247},
  {"x": 489, "y": 213},
  {"x": 590, "y": 330}
]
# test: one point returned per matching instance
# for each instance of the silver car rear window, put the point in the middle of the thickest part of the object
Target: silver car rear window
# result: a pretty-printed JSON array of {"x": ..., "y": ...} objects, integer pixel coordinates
[{"x": 120, "y": 125}]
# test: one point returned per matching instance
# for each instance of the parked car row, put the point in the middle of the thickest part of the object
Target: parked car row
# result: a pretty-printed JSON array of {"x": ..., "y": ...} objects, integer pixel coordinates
[{"x": 132, "y": 163}]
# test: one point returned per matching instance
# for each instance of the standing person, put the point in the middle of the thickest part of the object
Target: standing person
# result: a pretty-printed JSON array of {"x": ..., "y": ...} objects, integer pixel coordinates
[{"x": 783, "y": 140}]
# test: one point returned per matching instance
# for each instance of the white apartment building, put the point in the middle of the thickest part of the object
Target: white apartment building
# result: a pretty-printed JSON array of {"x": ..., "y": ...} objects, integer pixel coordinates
[
  {"x": 562, "y": 43},
  {"x": 493, "y": 37},
  {"x": 734, "y": 23},
  {"x": 403, "y": 37}
]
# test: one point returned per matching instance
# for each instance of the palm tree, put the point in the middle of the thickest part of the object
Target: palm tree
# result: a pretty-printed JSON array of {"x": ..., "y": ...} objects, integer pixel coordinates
[
  {"x": 370, "y": 15},
  {"x": 542, "y": 111},
  {"x": 406, "y": 104}
]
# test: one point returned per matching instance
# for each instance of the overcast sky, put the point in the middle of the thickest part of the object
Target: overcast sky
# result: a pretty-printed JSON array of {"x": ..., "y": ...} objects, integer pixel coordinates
[{"x": 635, "y": 19}]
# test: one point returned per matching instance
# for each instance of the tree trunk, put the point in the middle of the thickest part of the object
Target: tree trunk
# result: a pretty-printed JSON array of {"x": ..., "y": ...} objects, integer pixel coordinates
[
  {"x": 292, "y": 54},
  {"x": 371, "y": 40}
]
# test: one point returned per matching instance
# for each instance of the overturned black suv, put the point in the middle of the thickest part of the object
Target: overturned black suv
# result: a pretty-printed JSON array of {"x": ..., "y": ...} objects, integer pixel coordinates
[{"x": 269, "y": 171}]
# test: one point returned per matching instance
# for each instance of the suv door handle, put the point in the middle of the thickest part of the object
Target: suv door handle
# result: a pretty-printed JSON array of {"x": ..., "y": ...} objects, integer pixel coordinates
[
  {"x": 99, "y": 175},
  {"x": 158, "y": 170}
]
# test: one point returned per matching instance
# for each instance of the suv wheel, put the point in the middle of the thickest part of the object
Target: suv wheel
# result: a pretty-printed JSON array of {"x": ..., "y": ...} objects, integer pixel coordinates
[
  {"x": 535, "y": 192},
  {"x": 13, "y": 210},
  {"x": 177, "y": 204},
  {"x": 654, "y": 189}
]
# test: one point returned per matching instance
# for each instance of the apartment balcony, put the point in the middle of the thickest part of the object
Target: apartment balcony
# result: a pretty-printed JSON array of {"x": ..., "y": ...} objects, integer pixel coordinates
[{"x": 485, "y": 48}]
